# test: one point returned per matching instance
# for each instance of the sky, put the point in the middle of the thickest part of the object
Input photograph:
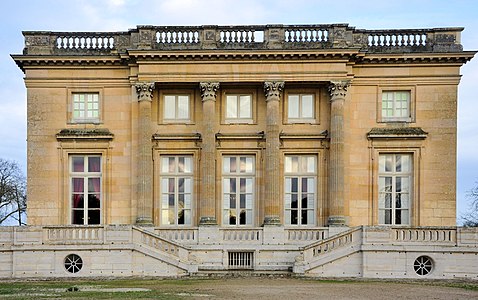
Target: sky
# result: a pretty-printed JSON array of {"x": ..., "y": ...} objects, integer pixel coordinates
[{"x": 121, "y": 15}]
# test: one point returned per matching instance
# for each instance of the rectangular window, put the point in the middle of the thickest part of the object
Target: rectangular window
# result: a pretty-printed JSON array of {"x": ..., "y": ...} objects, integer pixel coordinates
[
  {"x": 85, "y": 187},
  {"x": 238, "y": 189},
  {"x": 176, "y": 189},
  {"x": 239, "y": 108},
  {"x": 176, "y": 108},
  {"x": 301, "y": 108},
  {"x": 394, "y": 185},
  {"x": 300, "y": 189},
  {"x": 86, "y": 107},
  {"x": 396, "y": 106}
]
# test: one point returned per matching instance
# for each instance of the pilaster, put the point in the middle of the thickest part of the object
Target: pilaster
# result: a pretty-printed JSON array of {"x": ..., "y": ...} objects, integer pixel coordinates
[
  {"x": 273, "y": 91},
  {"x": 144, "y": 90},
  {"x": 207, "y": 203},
  {"x": 338, "y": 92}
]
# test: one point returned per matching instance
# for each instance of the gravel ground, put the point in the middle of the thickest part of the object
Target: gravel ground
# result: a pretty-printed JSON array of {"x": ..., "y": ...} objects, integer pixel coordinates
[{"x": 289, "y": 288}]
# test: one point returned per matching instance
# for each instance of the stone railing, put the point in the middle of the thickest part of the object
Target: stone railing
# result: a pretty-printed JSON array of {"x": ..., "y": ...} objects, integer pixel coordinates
[
  {"x": 313, "y": 234},
  {"x": 143, "y": 237},
  {"x": 424, "y": 235},
  {"x": 251, "y": 37},
  {"x": 241, "y": 235},
  {"x": 182, "y": 235},
  {"x": 346, "y": 238},
  {"x": 73, "y": 234}
]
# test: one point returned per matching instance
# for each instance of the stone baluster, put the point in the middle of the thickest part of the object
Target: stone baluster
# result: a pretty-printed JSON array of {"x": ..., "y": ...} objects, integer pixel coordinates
[
  {"x": 207, "y": 205},
  {"x": 144, "y": 91},
  {"x": 272, "y": 92},
  {"x": 338, "y": 91}
]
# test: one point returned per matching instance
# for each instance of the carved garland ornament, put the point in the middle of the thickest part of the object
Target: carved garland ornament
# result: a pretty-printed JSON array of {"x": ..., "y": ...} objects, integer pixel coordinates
[
  {"x": 145, "y": 91},
  {"x": 208, "y": 90},
  {"x": 273, "y": 89},
  {"x": 338, "y": 89}
]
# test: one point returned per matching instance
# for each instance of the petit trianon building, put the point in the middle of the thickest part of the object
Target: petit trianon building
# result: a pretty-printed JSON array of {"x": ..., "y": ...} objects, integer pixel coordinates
[{"x": 314, "y": 150}]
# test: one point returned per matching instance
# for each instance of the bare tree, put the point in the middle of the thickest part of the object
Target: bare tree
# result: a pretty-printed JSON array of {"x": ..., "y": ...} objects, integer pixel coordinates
[
  {"x": 470, "y": 219},
  {"x": 13, "y": 199}
]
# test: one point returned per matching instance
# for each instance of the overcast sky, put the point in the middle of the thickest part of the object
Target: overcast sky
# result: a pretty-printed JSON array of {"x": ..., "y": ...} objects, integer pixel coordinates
[{"x": 120, "y": 15}]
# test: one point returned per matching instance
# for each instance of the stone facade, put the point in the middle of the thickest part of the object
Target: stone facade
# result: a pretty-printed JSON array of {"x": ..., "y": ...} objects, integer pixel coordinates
[{"x": 211, "y": 132}]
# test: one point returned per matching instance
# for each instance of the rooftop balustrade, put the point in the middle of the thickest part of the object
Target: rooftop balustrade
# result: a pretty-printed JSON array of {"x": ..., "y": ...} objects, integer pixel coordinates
[{"x": 250, "y": 37}]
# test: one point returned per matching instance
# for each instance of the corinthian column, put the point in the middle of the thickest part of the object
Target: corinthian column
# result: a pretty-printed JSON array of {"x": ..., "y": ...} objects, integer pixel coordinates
[
  {"x": 272, "y": 92},
  {"x": 338, "y": 91},
  {"x": 144, "y": 91},
  {"x": 207, "y": 203}
]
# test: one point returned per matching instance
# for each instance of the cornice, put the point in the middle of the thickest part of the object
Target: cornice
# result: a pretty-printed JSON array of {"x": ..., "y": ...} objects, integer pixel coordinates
[
  {"x": 32, "y": 61},
  {"x": 416, "y": 58},
  {"x": 342, "y": 54}
]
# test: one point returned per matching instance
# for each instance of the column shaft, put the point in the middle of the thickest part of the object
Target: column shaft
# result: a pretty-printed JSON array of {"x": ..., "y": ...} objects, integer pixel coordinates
[
  {"x": 145, "y": 155},
  {"x": 207, "y": 205},
  {"x": 272, "y": 155},
  {"x": 337, "y": 91}
]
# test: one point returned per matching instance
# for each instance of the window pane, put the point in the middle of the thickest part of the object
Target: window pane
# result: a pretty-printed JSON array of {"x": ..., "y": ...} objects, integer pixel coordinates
[
  {"x": 94, "y": 201},
  {"x": 307, "y": 106},
  {"x": 288, "y": 164},
  {"x": 94, "y": 164},
  {"x": 169, "y": 107},
  {"x": 78, "y": 163},
  {"x": 94, "y": 185},
  {"x": 231, "y": 107},
  {"x": 245, "y": 107},
  {"x": 78, "y": 185},
  {"x": 293, "y": 109},
  {"x": 183, "y": 107},
  {"x": 311, "y": 164}
]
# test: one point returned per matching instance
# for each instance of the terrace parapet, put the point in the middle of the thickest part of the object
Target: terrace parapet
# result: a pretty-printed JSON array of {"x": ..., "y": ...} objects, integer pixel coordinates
[{"x": 244, "y": 37}]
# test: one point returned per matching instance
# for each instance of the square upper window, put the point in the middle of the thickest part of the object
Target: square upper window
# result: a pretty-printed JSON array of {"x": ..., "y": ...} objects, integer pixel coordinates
[
  {"x": 300, "y": 108},
  {"x": 86, "y": 107},
  {"x": 239, "y": 108},
  {"x": 396, "y": 106},
  {"x": 176, "y": 108}
]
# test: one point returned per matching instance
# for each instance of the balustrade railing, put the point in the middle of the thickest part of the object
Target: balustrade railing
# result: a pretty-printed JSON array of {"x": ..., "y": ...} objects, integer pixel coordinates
[
  {"x": 346, "y": 238},
  {"x": 307, "y": 234},
  {"x": 74, "y": 235},
  {"x": 241, "y": 234},
  {"x": 85, "y": 41},
  {"x": 424, "y": 235},
  {"x": 183, "y": 235},
  {"x": 146, "y": 238},
  {"x": 177, "y": 35},
  {"x": 306, "y": 34},
  {"x": 244, "y": 37}
]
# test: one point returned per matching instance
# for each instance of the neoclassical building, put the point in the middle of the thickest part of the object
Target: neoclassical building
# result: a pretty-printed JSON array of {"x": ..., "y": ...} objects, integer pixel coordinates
[{"x": 322, "y": 150}]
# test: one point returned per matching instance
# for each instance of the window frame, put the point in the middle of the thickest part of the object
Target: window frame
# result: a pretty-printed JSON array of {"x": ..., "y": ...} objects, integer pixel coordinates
[
  {"x": 161, "y": 115},
  {"x": 85, "y": 175},
  {"x": 394, "y": 175},
  {"x": 238, "y": 175},
  {"x": 71, "y": 110},
  {"x": 302, "y": 92},
  {"x": 394, "y": 119},
  {"x": 239, "y": 92},
  {"x": 300, "y": 174},
  {"x": 176, "y": 176}
]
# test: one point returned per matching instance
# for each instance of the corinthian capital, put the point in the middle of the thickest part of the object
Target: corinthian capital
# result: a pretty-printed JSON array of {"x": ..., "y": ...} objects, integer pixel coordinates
[
  {"x": 144, "y": 90},
  {"x": 208, "y": 90},
  {"x": 273, "y": 89},
  {"x": 338, "y": 89}
]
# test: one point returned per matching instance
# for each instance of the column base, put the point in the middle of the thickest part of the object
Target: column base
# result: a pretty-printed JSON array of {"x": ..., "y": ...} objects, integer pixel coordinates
[
  {"x": 144, "y": 222},
  {"x": 205, "y": 221},
  {"x": 272, "y": 220},
  {"x": 337, "y": 221}
]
